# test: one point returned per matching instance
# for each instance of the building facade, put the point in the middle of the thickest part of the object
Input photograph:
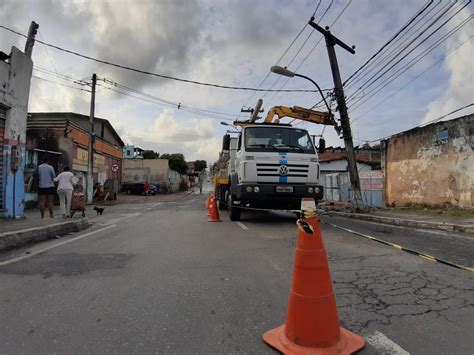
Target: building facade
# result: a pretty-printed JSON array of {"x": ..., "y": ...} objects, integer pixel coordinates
[
  {"x": 431, "y": 165},
  {"x": 63, "y": 137},
  {"x": 15, "y": 76},
  {"x": 335, "y": 177},
  {"x": 155, "y": 171}
]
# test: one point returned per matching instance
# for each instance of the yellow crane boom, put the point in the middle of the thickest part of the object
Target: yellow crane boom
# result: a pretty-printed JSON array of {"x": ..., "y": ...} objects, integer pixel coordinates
[{"x": 302, "y": 114}]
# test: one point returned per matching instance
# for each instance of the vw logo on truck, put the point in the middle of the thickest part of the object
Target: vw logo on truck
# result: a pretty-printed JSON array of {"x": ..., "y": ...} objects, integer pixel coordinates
[{"x": 283, "y": 170}]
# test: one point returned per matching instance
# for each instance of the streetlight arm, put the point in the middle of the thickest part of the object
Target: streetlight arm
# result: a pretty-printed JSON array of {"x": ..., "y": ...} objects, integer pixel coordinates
[{"x": 319, "y": 89}]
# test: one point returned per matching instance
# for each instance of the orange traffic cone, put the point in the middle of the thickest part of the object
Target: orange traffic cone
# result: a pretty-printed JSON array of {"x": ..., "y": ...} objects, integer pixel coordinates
[
  {"x": 213, "y": 212},
  {"x": 208, "y": 201},
  {"x": 312, "y": 324}
]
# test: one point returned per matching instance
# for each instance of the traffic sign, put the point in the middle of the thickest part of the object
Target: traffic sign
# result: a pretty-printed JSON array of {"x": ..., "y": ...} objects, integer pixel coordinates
[{"x": 115, "y": 168}]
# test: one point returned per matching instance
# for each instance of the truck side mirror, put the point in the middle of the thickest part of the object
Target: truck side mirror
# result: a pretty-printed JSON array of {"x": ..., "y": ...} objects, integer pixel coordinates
[
  {"x": 322, "y": 145},
  {"x": 226, "y": 142}
]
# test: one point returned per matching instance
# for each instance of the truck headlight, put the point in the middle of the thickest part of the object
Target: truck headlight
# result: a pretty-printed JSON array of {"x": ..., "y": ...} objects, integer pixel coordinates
[
  {"x": 316, "y": 190},
  {"x": 310, "y": 190},
  {"x": 313, "y": 160},
  {"x": 256, "y": 189},
  {"x": 249, "y": 188}
]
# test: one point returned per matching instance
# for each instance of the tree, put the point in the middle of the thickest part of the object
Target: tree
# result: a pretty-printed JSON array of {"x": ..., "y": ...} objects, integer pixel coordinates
[
  {"x": 150, "y": 154},
  {"x": 176, "y": 162},
  {"x": 200, "y": 165}
]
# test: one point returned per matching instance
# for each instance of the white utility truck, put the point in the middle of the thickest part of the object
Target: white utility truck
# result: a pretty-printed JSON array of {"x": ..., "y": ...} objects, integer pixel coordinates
[{"x": 270, "y": 165}]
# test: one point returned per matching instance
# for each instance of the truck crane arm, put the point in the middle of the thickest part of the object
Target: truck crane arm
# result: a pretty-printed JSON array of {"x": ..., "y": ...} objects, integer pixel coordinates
[{"x": 302, "y": 114}]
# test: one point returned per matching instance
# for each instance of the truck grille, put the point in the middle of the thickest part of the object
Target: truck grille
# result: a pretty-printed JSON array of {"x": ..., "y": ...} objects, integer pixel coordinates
[{"x": 273, "y": 169}]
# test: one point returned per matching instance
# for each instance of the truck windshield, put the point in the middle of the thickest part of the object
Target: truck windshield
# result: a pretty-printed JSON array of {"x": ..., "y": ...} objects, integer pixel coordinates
[{"x": 285, "y": 139}]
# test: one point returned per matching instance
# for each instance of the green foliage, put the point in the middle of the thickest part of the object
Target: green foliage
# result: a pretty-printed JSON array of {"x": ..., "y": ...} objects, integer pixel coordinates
[
  {"x": 200, "y": 165},
  {"x": 176, "y": 162},
  {"x": 150, "y": 154}
]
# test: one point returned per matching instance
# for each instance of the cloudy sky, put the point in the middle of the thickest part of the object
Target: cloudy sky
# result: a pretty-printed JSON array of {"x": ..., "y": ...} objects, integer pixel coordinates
[{"x": 233, "y": 43}]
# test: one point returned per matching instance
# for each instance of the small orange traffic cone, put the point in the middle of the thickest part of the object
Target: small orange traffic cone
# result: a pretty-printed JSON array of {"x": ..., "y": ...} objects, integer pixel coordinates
[
  {"x": 208, "y": 201},
  {"x": 312, "y": 323},
  {"x": 213, "y": 212}
]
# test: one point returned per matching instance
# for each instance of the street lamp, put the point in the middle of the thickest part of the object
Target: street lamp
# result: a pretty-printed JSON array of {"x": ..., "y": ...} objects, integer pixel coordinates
[
  {"x": 231, "y": 125},
  {"x": 288, "y": 73}
]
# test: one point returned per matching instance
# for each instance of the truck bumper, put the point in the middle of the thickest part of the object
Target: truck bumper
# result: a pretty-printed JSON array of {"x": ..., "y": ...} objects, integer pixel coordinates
[{"x": 268, "y": 197}]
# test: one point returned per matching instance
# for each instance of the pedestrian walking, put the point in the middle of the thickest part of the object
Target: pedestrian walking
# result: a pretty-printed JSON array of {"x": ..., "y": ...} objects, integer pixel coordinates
[
  {"x": 200, "y": 181},
  {"x": 66, "y": 182},
  {"x": 46, "y": 177}
]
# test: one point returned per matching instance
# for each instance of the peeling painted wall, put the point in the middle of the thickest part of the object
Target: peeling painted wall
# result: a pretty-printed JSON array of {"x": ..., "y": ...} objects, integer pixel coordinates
[
  {"x": 431, "y": 165},
  {"x": 14, "y": 92}
]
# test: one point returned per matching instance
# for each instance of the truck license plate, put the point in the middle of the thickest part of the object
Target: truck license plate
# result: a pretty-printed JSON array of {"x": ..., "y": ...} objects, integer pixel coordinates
[{"x": 284, "y": 189}]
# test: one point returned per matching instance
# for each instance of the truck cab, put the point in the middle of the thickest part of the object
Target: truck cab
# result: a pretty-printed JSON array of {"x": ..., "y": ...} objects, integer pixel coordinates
[{"x": 274, "y": 166}]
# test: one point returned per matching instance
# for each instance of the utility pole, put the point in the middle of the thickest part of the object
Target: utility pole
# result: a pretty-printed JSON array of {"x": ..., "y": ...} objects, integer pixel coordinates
[
  {"x": 331, "y": 42},
  {"x": 90, "y": 158},
  {"x": 30, "y": 40},
  {"x": 254, "y": 111}
]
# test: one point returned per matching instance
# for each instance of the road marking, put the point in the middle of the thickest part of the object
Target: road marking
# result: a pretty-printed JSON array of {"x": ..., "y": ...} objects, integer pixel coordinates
[
  {"x": 36, "y": 252},
  {"x": 241, "y": 225},
  {"x": 384, "y": 345}
]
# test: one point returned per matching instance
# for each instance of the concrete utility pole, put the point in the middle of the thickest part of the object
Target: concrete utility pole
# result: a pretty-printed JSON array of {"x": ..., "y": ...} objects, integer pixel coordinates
[
  {"x": 30, "y": 40},
  {"x": 331, "y": 42},
  {"x": 90, "y": 159}
]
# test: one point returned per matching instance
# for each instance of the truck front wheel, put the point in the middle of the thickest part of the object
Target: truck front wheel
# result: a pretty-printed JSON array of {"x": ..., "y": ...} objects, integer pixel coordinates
[{"x": 234, "y": 212}]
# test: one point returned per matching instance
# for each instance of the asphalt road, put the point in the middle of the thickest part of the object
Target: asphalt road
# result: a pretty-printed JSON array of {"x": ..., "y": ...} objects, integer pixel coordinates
[{"x": 157, "y": 277}]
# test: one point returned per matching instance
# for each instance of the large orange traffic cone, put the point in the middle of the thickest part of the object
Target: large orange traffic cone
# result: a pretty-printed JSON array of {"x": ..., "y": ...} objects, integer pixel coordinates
[
  {"x": 312, "y": 324},
  {"x": 214, "y": 213},
  {"x": 208, "y": 201}
]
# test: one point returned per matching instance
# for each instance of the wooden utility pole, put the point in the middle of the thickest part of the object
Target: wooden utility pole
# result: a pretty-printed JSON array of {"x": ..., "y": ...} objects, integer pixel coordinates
[
  {"x": 331, "y": 42},
  {"x": 30, "y": 40},
  {"x": 90, "y": 158}
]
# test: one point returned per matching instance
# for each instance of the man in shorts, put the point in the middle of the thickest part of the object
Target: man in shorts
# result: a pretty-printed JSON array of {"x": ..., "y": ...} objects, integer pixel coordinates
[{"x": 46, "y": 189}]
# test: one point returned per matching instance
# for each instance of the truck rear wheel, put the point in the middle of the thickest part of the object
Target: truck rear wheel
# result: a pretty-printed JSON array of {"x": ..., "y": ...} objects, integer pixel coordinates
[
  {"x": 234, "y": 212},
  {"x": 222, "y": 199}
]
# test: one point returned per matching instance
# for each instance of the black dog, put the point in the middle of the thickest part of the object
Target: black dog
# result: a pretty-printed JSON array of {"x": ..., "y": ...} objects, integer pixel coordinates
[{"x": 99, "y": 210}]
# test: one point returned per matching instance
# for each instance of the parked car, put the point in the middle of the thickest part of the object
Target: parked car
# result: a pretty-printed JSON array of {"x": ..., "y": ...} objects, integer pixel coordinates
[{"x": 139, "y": 189}]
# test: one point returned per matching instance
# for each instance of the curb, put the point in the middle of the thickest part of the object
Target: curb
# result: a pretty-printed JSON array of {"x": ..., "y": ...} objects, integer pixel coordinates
[
  {"x": 402, "y": 222},
  {"x": 16, "y": 239}
]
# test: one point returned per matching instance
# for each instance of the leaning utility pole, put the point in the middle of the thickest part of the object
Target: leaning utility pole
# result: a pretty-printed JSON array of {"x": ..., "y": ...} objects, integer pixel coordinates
[
  {"x": 331, "y": 42},
  {"x": 30, "y": 40},
  {"x": 90, "y": 158}
]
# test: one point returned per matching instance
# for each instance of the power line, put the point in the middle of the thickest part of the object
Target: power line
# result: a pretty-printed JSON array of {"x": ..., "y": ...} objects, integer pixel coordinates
[
  {"x": 397, "y": 44},
  {"x": 166, "y": 103},
  {"x": 58, "y": 83},
  {"x": 446, "y": 115},
  {"x": 47, "y": 53},
  {"x": 301, "y": 47},
  {"x": 370, "y": 82},
  {"x": 411, "y": 81},
  {"x": 147, "y": 72},
  {"x": 312, "y": 49},
  {"x": 422, "y": 124},
  {"x": 357, "y": 103},
  {"x": 389, "y": 41},
  {"x": 169, "y": 102},
  {"x": 269, "y": 72},
  {"x": 397, "y": 52}
]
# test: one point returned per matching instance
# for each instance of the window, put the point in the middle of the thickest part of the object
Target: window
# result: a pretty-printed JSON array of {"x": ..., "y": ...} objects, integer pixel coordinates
[
  {"x": 442, "y": 135},
  {"x": 282, "y": 139}
]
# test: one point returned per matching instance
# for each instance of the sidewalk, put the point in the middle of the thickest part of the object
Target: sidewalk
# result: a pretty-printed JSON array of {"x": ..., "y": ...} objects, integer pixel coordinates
[
  {"x": 416, "y": 219},
  {"x": 32, "y": 228}
]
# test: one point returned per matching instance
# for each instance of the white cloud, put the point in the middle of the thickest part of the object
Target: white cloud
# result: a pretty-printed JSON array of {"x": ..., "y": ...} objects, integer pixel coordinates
[{"x": 460, "y": 66}]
